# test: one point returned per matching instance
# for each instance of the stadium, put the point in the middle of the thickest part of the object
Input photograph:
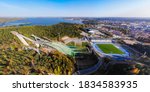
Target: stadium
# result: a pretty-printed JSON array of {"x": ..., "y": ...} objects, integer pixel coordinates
[{"x": 106, "y": 48}]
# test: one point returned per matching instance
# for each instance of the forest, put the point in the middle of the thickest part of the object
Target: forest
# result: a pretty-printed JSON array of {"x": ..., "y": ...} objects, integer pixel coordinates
[{"x": 28, "y": 62}]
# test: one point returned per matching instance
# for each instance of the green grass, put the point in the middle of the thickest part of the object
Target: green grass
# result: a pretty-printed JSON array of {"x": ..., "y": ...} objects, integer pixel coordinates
[{"x": 109, "y": 49}]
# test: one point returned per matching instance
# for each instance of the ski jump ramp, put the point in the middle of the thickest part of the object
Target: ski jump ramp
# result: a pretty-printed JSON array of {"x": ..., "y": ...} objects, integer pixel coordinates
[{"x": 41, "y": 42}]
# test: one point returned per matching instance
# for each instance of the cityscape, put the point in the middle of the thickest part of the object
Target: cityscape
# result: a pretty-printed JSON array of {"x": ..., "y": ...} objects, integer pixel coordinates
[{"x": 71, "y": 45}]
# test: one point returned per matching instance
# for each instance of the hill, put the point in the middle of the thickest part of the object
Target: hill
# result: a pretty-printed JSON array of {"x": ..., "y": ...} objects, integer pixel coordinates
[{"x": 15, "y": 60}]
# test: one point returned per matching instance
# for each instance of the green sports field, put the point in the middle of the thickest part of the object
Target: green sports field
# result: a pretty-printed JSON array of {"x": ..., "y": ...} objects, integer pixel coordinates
[{"x": 109, "y": 49}]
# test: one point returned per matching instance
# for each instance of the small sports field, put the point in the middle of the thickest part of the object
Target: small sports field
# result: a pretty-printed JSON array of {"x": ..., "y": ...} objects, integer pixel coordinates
[{"x": 109, "y": 49}]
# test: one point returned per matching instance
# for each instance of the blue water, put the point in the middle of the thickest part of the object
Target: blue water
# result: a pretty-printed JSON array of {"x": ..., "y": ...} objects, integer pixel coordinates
[{"x": 39, "y": 21}]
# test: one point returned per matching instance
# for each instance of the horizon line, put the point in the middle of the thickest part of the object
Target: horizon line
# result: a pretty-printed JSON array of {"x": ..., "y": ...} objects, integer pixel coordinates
[{"x": 67, "y": 17}]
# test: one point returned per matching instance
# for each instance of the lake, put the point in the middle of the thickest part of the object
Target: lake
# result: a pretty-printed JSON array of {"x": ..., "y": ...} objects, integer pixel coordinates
[{"x": 39, "y": 21}]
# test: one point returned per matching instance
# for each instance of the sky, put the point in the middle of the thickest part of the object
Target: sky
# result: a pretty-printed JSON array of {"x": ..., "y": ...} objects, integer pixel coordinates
[{"x": 74, "y": 8}]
